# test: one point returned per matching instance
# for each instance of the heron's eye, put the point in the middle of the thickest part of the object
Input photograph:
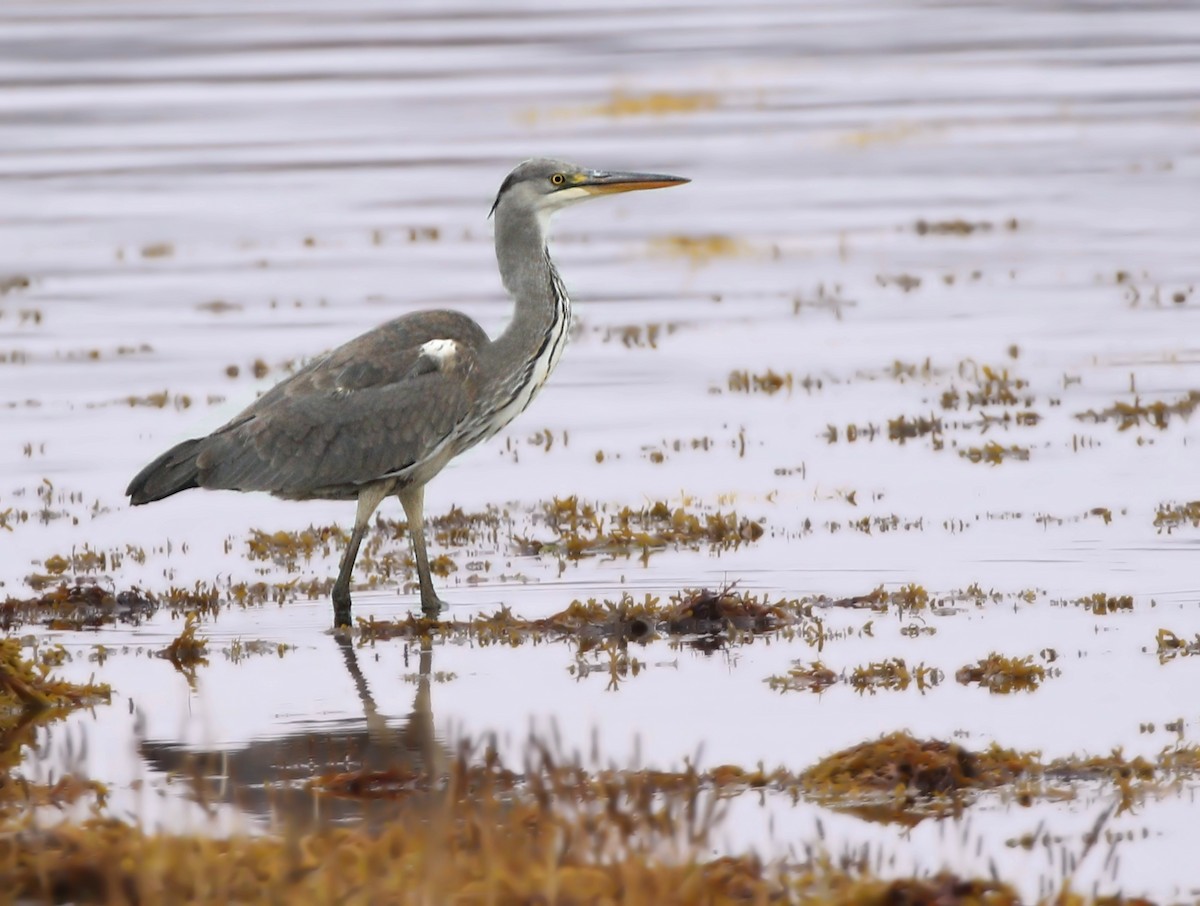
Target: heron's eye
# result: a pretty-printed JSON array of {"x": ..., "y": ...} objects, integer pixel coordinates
[{"x": 558, "y": 179}]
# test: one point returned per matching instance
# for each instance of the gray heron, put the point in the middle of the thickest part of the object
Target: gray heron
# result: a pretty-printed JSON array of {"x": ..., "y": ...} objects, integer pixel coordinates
[{"x": 385, "y": 412}]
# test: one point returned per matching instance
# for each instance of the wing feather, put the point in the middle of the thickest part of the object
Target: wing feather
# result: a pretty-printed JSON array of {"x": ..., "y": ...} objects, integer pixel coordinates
[{"x": 366, "y": 410}]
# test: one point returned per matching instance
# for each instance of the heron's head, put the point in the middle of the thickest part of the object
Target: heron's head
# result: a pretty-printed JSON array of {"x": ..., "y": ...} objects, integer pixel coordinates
[{"x": 543, "y": 187}]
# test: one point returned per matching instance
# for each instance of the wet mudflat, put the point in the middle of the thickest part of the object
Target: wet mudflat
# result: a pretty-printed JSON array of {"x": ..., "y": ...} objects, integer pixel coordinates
[{"x": 904, "y": 379}]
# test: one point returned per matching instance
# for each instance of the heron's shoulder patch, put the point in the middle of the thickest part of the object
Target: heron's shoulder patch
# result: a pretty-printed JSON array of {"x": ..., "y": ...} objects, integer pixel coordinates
[
  {"x": 442, "y": 352},
  {"x": 444, "y": 355}
]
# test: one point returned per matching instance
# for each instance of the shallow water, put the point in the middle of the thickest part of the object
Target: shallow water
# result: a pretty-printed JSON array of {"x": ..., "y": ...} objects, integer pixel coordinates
[{"x": 317, "y": 173}]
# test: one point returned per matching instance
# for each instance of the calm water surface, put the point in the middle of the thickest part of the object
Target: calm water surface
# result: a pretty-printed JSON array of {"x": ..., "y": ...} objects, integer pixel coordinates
[{"x": 894, "y": 207}]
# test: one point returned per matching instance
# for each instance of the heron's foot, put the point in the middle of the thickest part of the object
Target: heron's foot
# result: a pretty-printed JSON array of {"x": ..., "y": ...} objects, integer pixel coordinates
[{"x": 431, "y": 606}]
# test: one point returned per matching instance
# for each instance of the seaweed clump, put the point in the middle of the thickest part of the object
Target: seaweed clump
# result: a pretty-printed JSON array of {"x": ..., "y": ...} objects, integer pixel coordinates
[
  {"x": 27, "y": 687},
  {"x": 187, "y": 651},
  {"x": 76, "y": 607},
  {"x": 893, "y": 674},
  {"x": 584, "y": 531},
  {"x": 692, "y": 612},
  {"x": 1171, "y": 646},
  {"x": 1102, "y": 604},
  {"x": 812, "y": 677},
  {"x": 900, "y": 778},
  {"x": 31, "y": 697},
  {"x": 943, "y": 889},
  {"x": 908, "y": 599},
  {"x": 284, "y": 549},
  {"x": 704, "y": 612},
  {"x": 1000, "y": 674},
  {"x": 769, "y": 382},
  {"x": 1156, "y": 414},
  {"x": 1170, "y": 516},
  {"x": 993, "y": 453}
]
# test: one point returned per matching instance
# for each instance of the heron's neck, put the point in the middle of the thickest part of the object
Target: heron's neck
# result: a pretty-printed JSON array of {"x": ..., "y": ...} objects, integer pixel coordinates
[{"x": 542, "y": 308}]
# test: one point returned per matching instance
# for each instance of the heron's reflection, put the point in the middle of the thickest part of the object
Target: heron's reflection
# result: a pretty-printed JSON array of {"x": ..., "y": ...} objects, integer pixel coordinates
[{"x": 266, "y": 778}]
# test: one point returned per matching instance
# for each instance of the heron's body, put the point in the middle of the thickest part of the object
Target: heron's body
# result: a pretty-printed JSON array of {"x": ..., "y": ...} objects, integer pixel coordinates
[{"x": 385, "y": 412}]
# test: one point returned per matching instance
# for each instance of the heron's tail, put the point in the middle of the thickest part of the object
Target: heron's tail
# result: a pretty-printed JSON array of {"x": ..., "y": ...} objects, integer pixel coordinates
[{"x": 174, "y": 471}]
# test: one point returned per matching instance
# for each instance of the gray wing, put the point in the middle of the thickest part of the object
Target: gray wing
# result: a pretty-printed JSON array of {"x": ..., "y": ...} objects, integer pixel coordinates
[{"x": 369, "y": 409}]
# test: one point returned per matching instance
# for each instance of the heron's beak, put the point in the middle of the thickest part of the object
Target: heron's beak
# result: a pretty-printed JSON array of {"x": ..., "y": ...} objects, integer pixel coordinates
[{"x": 599, "y": 182}]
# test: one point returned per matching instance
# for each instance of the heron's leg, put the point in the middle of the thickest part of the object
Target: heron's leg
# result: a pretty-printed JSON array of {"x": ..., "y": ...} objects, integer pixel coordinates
[
  {"x": 413, "y": 498},
  {"x": 368, "y": 501}
]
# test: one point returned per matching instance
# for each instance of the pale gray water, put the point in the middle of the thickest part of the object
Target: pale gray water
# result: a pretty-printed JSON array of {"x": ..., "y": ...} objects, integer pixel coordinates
[{"x": 289, "y": 160}]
